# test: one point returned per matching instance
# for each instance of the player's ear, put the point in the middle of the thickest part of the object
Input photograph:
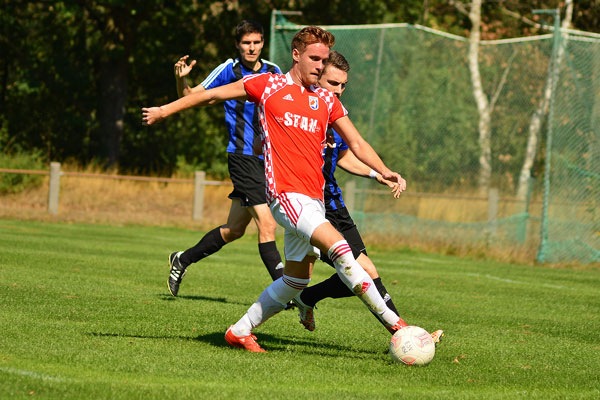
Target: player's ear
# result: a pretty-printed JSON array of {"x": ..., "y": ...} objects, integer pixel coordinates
[{"x": 296, "y": 55}]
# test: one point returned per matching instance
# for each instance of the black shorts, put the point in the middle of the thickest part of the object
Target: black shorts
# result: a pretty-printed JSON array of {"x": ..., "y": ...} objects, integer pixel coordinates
[
  {"x": 341, "y": 220},
  {"x": 248, "y": 176}
]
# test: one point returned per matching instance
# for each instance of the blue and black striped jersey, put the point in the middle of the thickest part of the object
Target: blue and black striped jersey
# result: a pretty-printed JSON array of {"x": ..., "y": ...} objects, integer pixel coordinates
[
  {"x": 241, "y": 117},
  {"x": 332, "y": 193}
]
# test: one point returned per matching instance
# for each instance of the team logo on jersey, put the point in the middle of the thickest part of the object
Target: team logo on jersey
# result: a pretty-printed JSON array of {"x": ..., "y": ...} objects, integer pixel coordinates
[{"x": 313, "y": 102}]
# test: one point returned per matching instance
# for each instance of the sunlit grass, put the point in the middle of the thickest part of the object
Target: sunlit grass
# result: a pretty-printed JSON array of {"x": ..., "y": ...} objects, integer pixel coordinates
[{"x": 85, "y": 313}]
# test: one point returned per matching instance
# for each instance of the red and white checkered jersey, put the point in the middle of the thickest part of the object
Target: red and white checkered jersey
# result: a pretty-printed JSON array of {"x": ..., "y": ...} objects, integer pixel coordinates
[{"x": 293, "y": 121}]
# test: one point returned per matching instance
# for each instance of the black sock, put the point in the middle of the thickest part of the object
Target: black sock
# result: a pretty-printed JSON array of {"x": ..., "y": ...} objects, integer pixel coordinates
[
  {"x": 209, "y": 244},
  {"x": 331, "y": 287},
  {"x": 271, "y": 258},
  {"x": 386, "y": 296}
]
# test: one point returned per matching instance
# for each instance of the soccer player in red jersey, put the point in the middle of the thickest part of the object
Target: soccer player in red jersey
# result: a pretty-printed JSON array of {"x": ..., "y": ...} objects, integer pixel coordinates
[{"x": 294, "y": 116}]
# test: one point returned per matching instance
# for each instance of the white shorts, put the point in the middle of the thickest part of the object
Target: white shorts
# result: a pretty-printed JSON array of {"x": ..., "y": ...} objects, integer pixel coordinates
[{"x": 300, "y": 216}]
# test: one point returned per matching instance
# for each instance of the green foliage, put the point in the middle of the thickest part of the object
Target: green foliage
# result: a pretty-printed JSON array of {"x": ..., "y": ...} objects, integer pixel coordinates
[
  {"x": 91, "y": 317},
  {"x": 15, "y": 183},
  {"x": 72, "y": 71}
]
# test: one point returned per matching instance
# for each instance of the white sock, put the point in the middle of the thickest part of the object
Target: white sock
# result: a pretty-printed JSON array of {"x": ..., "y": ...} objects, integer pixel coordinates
[
  {"x": 272, "y": 300},
  {"x": 361, "y": 284}
]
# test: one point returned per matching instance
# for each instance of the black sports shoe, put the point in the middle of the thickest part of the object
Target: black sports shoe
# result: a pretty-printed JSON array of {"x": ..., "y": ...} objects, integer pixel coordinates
[{"x": 176, "y": 274}]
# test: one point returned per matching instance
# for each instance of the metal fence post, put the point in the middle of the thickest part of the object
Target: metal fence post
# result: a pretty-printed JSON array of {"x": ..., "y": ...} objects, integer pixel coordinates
[
  {"x": 54, "y": 188},
  {"x": 199, "y": 183},
  {"x": 493, "y": 210}
]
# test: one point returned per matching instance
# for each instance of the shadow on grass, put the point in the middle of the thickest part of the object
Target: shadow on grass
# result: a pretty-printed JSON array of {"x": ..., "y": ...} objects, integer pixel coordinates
[
  {"x": 168, "y": 297},
  {"x": 125, "y": 335},
  {"x": 267, "y": 341},
  {"x": 290, "y": 343}
]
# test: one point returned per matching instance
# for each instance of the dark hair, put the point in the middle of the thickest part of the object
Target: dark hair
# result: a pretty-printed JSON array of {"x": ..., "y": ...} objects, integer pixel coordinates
[
  {"x": 311, "y": 35},
  {"x": 336, "y": 60},
  {"x": 248, "y": 26}
]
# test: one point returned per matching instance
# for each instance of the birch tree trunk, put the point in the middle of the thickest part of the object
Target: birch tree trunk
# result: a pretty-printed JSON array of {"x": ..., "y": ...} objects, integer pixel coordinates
[
  {"x": 536, "y": 121},
  {"x": 483, "y": 106}
]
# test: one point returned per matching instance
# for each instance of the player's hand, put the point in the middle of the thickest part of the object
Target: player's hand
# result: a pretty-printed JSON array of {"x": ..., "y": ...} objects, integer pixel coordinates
[
  {"x": 152, "y": 115},
  {"x": 395, "y": 177},
  {"x": 395, "y": 186},
  {"x": 182, "y": 69}
]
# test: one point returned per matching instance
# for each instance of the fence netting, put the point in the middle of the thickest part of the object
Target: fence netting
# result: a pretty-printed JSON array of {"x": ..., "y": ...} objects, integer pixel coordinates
[{"x": 410, "y": 94}]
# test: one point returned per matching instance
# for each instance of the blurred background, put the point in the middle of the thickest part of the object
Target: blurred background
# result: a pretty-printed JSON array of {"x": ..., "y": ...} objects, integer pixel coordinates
[{"x": 459, "y": 97}]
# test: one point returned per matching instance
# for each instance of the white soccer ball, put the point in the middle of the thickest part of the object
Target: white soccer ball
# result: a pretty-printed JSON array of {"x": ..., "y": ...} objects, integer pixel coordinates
[{"x": 412, "y": 345}]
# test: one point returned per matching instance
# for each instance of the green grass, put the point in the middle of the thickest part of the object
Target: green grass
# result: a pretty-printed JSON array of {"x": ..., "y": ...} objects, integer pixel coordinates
[{"x": 85, "y": 313}]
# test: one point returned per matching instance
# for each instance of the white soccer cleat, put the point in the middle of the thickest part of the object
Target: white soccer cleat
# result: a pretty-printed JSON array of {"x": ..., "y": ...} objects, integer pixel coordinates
[{"x": 307, "y": 317}]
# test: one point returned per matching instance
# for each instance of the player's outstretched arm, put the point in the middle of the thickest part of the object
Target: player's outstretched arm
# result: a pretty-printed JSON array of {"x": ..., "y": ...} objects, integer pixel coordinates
[
  {"x": 232, "y": 91},
  {"x": 182, "y": 70},
  {"x": 348, "y": 162},
  {"x": 364, "y": 152}
]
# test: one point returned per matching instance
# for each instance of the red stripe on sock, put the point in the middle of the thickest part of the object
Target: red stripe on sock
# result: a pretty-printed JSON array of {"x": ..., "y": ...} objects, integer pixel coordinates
[
  {"x": 340, "y": 251},
  {"x": 294, "y": 284}
]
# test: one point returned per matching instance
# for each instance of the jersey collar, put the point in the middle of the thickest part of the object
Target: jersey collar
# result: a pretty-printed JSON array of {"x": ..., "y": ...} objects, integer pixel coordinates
[{"x": 290, "y": 81}]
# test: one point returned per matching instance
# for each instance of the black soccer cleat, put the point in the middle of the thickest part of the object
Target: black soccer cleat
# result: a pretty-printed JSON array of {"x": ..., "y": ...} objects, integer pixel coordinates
[{"x": 176, "y": 274}]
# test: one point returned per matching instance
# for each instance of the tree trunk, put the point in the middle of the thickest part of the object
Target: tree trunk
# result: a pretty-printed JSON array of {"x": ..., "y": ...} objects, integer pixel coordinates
[
  {"x": 483, "y": 106},
  {"x": 535, "y": 123},
  {"x": 111, "y": 108}
]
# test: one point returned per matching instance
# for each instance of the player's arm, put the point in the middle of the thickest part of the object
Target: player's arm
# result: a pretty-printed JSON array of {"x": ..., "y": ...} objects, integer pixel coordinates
[
  {"x": 182, "y": 70},
  {"x": 232, "y": 91},
  {"x": 363, "y": 150},
  {"x": 349, "y": 163}
]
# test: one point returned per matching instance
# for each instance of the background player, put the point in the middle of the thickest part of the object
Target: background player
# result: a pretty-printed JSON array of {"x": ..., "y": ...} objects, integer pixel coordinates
[
  {"x": 294, "y": 117},
  {"x": 248, "y": 198}
]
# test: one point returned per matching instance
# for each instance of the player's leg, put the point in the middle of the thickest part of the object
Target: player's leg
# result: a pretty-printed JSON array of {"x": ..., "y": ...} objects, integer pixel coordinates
[
  {"x": 212, "y": 242},
  {"x": 334, "y": 287},
  {"x": 326, "y": 238},
  {"x": 273, "y": 299},
  {"x": 243, "y": 173},
  {"x": 368, "y": 266},
  {"x": 248, "y": 176},
  {"x": 267, "y": 247},
  {"x": 299, "y": 219}
]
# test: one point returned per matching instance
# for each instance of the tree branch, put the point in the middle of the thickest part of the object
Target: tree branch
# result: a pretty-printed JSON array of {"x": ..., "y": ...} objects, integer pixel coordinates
[
  {"x": 502, "y": 81},
  {"x": 524, "y": 19},
  {"x": 460, "y": 6}
]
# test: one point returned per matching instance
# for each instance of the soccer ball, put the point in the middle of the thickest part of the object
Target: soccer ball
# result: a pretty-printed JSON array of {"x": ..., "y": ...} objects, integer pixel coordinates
[{"x": 412, "y": 345}]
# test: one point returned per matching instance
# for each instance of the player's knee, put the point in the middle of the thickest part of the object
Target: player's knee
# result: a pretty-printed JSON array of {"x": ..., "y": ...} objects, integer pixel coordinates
[
  {"x": 233, "y": 232},
  {"x": 266, "y": 229}
]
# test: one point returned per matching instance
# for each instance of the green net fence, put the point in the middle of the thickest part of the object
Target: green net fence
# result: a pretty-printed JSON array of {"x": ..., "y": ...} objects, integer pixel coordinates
[{"x": 410, "y": 94}]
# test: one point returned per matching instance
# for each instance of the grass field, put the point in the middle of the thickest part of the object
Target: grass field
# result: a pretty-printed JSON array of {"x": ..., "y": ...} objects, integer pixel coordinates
[{"x": 85, "y": 313}]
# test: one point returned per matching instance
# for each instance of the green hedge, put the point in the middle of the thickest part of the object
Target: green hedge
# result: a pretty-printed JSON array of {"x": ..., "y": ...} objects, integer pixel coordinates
[{"x": 15, "y": 183}]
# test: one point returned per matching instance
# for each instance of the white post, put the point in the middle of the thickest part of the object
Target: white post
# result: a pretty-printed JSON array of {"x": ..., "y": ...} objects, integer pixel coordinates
[
  {"x": 54, "y": 188},
  {"x": 199, "y": 182},
  {"x": 493, "y": 210}
]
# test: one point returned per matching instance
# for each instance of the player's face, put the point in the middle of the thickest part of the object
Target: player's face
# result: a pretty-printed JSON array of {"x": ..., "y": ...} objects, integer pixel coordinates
[
  {"x": 311, "y": 62},
  {"x": 334, "y": 79},
  {"x": 250, "y": 47}
]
